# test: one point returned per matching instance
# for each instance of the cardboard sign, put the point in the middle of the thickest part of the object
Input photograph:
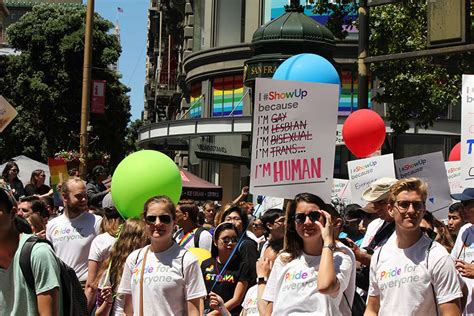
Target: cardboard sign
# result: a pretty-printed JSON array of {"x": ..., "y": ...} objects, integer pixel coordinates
[
  {"x": 293, "y": 141},
  {"x": 363, "y": 172},
  {"x": 467, "y": 132},
  {"x": 7, "y": 113},
  {"x": 453, "y": 171},
  {"x": 430, "y": 168},
  {"x": 341, "y": 189}
]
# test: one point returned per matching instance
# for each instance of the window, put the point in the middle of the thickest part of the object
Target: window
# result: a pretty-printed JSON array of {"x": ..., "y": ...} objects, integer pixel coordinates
[
  {"x": 229, "y": 22},
  {"x": 195, "y": 111},
  {"x": 349, "y": 92},
  {"x": 227, "y": 93}
]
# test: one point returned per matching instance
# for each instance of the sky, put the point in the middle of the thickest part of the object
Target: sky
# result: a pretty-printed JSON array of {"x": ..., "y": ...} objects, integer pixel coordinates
[{"x": 133, "y": 32}]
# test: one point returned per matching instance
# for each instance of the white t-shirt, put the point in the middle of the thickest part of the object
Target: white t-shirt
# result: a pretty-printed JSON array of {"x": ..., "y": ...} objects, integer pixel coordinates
[
  {"x": 372, "y": 229},
  {"x": 165, "y": 291},
  {"x": 464, "y": 250},
  {"x": 293, "y": 289},
  {"x": 205, "y": 240},
  {"x": 344, "y": 307},
  {"x": 72, "y": 239},
  {"x": 249, "y": 304},
  {"x": 402, "y": 278},
  {"x": 101, "y": 246}
]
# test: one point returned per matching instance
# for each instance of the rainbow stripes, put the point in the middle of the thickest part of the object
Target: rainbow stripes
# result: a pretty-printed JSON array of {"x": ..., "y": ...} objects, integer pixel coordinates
[
  {"x": 227, "y": 93},
  {"x": 58, "y": 170},
  {"x": 349, "y": 93}
]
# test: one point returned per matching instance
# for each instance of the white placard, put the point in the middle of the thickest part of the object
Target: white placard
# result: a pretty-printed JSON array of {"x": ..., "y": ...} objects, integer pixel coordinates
[
  {"x": 293, "y": 141},
  {"x": 363, "y": 172},
  {"x": 342, "y": 190},
  {"x": 467, "y": 131},
  {"x": 430, "y": 168},
  {"x": 453, "y": 171}
]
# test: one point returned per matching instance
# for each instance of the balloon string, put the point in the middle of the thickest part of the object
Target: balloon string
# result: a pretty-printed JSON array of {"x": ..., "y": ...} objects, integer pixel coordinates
[{"x": 235, "y": 249}]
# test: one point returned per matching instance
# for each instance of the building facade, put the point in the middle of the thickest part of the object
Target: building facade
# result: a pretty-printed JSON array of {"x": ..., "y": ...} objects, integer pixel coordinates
[
  {"x": 3, "y": 16},
  {"x": 203, "y": 118}
]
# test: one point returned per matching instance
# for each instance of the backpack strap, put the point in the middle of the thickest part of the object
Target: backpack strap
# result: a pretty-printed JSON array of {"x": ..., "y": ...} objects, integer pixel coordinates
[
  {"x": 431, "y": 283},
  {"x": 25, "y": 259},
  {"x": 182, "y": 264},
  {"x": 197, "y": 235}
]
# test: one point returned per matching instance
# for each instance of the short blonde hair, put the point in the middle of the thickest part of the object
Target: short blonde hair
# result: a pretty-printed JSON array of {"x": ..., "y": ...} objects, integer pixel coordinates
[
  {"x": 65, "y": 185},
  {"x": 408, "y": 184}
]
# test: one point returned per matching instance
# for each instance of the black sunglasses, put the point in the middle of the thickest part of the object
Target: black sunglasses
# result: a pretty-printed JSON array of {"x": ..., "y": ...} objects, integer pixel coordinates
[
  {"x": 417, "y": 205},
  {"x": 313, "y": 216},
  {"x": 164, "y": 219}
]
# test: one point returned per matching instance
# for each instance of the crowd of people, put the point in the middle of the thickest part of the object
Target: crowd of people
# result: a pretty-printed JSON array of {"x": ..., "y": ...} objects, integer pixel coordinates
[{"x": 310, "y": 257}]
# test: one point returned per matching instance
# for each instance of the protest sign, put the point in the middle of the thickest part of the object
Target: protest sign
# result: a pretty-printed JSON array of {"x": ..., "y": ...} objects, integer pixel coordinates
[
  {"x": 363, "y": 172},
  {"x": 341, "y": 189},
  {"x": 430, "y": 168},
  {"x": 467, "y": 131},
  {"x": 293, "y": 141},
  {"x": 7, "y": 113},
  {"x": 453, "y": 171}
]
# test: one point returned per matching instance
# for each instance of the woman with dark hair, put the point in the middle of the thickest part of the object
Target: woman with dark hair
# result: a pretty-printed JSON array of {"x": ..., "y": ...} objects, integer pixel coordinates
[
  {"x": 231, "y": 281},
  {"x": 247, "y": 249},
  {"x": 311, "y": 273},
  {"x": 36, "y": 185},
  {"x": 10, "y": 176},
  {"x": 162, "y": 278}
]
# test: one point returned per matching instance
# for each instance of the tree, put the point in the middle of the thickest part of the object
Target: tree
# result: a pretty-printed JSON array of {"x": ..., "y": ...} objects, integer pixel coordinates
[
  {"x": 44, "y": 84},
  {"x": 132, "y": 135},
  {"x": 417, "y": 89}
]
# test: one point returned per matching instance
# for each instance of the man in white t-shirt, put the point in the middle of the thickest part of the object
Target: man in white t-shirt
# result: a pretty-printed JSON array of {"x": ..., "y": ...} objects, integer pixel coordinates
[
  {"x": 190, "y": 234},
  {"x": 463, "y": 251},
  {"x": 412, "y": 274},
  {"x": 72, "y": 233}
]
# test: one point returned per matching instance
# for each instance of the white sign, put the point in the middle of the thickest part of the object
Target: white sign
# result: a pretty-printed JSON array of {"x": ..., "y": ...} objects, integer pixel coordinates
[
  {"x": 341, "y": 189},
  {"x": 453, "y": 171},
  {"x": 467, "y": 131},
  {"x": 7, "y": 113},
  {"x": 430, "y": 168},
  {"x": 293, "y": 141},
  {"x": 363, "y": 172},
  {"x": 222, "y": 145}
]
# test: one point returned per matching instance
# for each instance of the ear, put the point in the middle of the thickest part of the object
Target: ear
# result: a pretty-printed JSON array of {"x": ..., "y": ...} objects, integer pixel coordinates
[
  {"x": 391, "y": 212},
  {"x": 270, "y": 226},
  {"x": 338, "y": 223}
]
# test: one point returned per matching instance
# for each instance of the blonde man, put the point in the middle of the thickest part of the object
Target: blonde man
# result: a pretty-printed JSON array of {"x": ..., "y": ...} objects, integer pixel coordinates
[{"x": 412, "y": 274}]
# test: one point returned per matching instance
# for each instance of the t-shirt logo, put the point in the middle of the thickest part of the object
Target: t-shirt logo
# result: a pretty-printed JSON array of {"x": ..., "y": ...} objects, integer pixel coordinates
[
  {"x": 210, "y": 268},
  {"x": 67, "y": 234},
  {"x": 299, "y": 280},
  {"x": 398, "y": 276}
]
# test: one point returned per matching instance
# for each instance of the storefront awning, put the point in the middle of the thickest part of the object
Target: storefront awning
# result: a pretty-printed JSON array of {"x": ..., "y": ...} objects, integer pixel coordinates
[{"x": 199, "y": 189}]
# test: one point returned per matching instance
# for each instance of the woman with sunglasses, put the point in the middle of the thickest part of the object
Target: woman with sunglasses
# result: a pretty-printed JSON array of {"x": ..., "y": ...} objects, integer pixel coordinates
[
  {"x": 10, "y": 176},
  {"x": 36, "y": 185},
  {"x": 162, "y": 278},
  {"x": 311, "y": 274},
  {"x": 224, "y": 274}
]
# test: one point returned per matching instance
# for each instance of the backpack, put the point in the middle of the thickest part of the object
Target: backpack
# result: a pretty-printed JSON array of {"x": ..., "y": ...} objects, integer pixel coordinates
[
  {"x": 73, "y": 299},
  {"x": 197, "y": 234}
]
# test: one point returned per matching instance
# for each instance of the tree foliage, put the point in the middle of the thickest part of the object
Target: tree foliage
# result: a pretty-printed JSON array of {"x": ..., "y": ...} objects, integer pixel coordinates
[
  {"x": 44, "y": 84},
  {"x": 418, "y": 89}
]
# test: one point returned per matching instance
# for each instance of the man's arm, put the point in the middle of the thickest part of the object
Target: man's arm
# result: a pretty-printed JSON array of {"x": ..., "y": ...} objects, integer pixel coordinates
[
  {"x": 243, "y": 195},
  {"x": 452, "y": 308},
  {"x": 373, "y": 306},
  {"x": 48, "y": 302}
]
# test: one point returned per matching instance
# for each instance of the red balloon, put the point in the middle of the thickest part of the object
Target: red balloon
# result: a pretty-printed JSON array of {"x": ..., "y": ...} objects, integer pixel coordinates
[
  {"x": 363, "y": 132},
  {"x": 455, "y": 154}
]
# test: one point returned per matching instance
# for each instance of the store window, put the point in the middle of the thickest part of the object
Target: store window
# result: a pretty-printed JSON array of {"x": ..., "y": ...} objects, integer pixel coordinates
[
  {"x": 227, "y": 94},
  {"x": 195, "y": 110},
  {"x": 229, "y": 22},
  {"x": 198, "y": 36}
]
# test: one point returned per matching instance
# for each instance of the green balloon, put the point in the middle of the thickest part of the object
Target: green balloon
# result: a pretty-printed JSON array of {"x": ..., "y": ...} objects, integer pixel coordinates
[{"x": 142, "y": 175}]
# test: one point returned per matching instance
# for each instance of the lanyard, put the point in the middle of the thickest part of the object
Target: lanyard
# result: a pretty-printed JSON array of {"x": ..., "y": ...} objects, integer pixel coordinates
[{"x": 187, "y": 238}]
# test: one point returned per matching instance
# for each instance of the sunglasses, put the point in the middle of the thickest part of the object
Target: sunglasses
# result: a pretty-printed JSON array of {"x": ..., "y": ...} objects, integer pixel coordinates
[
  {"x": 431, "y": 233},
  {"x": 313, "y": 216},
  {"x": 164, "y": 219},
  {"x": 228, "y": 240},
  {"x": 417, "y": 205}
]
